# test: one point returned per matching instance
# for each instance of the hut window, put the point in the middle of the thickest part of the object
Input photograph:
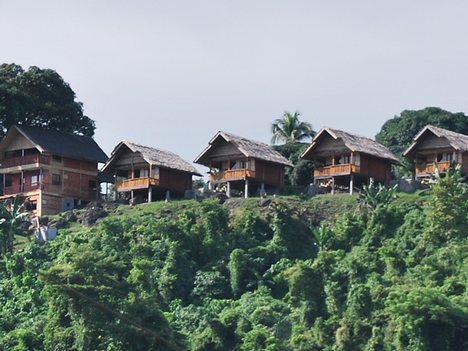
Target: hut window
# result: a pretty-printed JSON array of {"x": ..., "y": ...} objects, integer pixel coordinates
[
  {"x": 92, "y": 184},
  {"x": 34, "y": 180},
  {"x": 136, "y": 173},
  {"x": 8, "y": 180},
  {"x": 155, "y": 172},
  {"x": 144, "y": 173},
  {"x": 57, "y": 158},
  {"x": 31, "y": 205},
  {"x": 56, "y": 179},
  {"x": 447, "y": 157},
  {"x": 239, "y": 165},
  {"x": 121, "y": 174},
  {"x": 344, "y": 159}
]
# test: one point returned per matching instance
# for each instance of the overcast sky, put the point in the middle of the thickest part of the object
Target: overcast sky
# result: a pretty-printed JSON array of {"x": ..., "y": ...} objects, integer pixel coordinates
[{"x": 170, "y": 74}]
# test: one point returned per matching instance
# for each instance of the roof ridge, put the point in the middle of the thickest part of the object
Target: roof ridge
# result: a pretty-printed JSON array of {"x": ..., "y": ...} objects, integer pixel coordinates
[
  {"x": 243, "y": 138},
  {"x": 149, "y": 147}
]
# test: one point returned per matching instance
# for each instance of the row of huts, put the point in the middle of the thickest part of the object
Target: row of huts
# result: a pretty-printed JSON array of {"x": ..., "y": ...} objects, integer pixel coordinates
[{"x": 57, "y": 171}]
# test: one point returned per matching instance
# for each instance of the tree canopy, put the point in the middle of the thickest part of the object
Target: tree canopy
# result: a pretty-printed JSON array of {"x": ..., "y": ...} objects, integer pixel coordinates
[
  {"x": 289, "y": 129},
  {"x": 398, "y": 132},
  {"x": 40, "y": 97}
]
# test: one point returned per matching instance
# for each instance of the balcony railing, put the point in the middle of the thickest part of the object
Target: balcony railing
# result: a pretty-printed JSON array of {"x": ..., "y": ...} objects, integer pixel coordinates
[
  {"x": 336, "y": 170},
  {"x": 232, "y": 174},
  {"x": 24, "y": 188},
  {"x": 136, "y": 183},
  {"x": 429, "y": 168},
  {"x": 25, "y": 160}
]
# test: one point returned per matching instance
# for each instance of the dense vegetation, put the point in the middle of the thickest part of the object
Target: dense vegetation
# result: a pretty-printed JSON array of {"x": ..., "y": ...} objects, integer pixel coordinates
[{"x": 388, "y": 273}]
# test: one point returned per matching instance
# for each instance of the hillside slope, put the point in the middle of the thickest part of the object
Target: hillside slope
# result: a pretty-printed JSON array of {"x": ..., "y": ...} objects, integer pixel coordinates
[{"x": 326, "y": 273}]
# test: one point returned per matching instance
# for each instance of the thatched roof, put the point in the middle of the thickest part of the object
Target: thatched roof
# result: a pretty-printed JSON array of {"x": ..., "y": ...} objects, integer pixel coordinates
[
  {"x": 58, "y": 143},
  {"x": 156, "y": 157},
  {"x": 456, "y": 140},
  {"x": 355, "y": 143},
  {"x": 249, "y": 148}
]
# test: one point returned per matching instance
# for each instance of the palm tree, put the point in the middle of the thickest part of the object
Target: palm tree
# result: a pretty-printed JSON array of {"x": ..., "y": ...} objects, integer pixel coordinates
[{"x": 289, "y": 129}]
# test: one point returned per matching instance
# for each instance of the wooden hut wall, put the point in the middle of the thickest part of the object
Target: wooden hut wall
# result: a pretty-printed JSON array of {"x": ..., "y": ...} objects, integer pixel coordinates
[
  {"x": 174, "y": 180},
  {"x": 328, "y": 146},
  {"x": 127, "y": 158},
  {"x": 464, "y": 163},
  {"x": 430, "y": 142},
  {"x": 222, "y": 150},
  {"x": 376, "y": 168},
  {"x": 269, "y": 173}
]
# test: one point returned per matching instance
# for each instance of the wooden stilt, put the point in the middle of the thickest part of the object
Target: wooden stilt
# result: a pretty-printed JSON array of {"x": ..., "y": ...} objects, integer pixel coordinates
[
  {"x": 333, "y": 186},
  {"x": 228, "y": 191},
  {"x": 246, "y": 189},
  {"x": 262, "y": 190},
  {"x": 150, "y": 194},
  {"x": 351, "y": 184}
]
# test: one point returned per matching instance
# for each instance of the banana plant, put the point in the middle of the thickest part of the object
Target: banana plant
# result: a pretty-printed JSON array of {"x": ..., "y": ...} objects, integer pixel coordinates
[{"x": 12, "y": 215}]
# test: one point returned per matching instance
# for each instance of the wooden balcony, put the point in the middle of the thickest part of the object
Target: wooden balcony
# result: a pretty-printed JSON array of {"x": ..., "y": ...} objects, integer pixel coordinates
[
  {"x": 429, "y": 168},
  {"x": 336, "y": 170},
  {"x": 29, "y": 160},
  {"x": 232, "y": 174},
  {"x": 136, "y": 183},
  {"x": 12, "y": 190}
]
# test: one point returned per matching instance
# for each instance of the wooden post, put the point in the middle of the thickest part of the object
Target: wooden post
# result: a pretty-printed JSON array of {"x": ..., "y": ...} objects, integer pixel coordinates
[
  {"x": 150, "y": 194},
  {"x": 115, "y": 182},
  {"x": 132, "y": 200},
  {"x": 168, "y": 196},
  {"x": 262, "y": 190},
  {"x": 351, "y": 184},
  {"x": 333, "y": 186},
  {"x": 246, "y": 189},
  {"x": 228, "y": 191}
]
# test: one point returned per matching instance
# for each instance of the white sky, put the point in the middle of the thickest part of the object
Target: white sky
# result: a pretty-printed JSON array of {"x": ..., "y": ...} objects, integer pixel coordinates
[{"x": 170, "y": 74}]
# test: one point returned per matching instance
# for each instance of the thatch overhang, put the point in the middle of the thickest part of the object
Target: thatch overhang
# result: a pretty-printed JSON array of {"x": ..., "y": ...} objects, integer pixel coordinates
[
  {"x": 246, "y": 147},
  {"x": 57, "y": 143},
  {"x": 457, "y": 141},
  {"x": 351, "y": 142},
  {"x": 153, "y": 156}
]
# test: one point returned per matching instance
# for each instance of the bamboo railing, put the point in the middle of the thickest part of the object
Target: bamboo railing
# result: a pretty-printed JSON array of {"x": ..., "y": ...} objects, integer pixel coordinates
[
  {"x": 25, "y": 160},
  {"x": 232, "y": 174},
  {"x": 429, "y": 168},
  {"x": 336, "y": 170},
  {"x": 136, "y": 183}
]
